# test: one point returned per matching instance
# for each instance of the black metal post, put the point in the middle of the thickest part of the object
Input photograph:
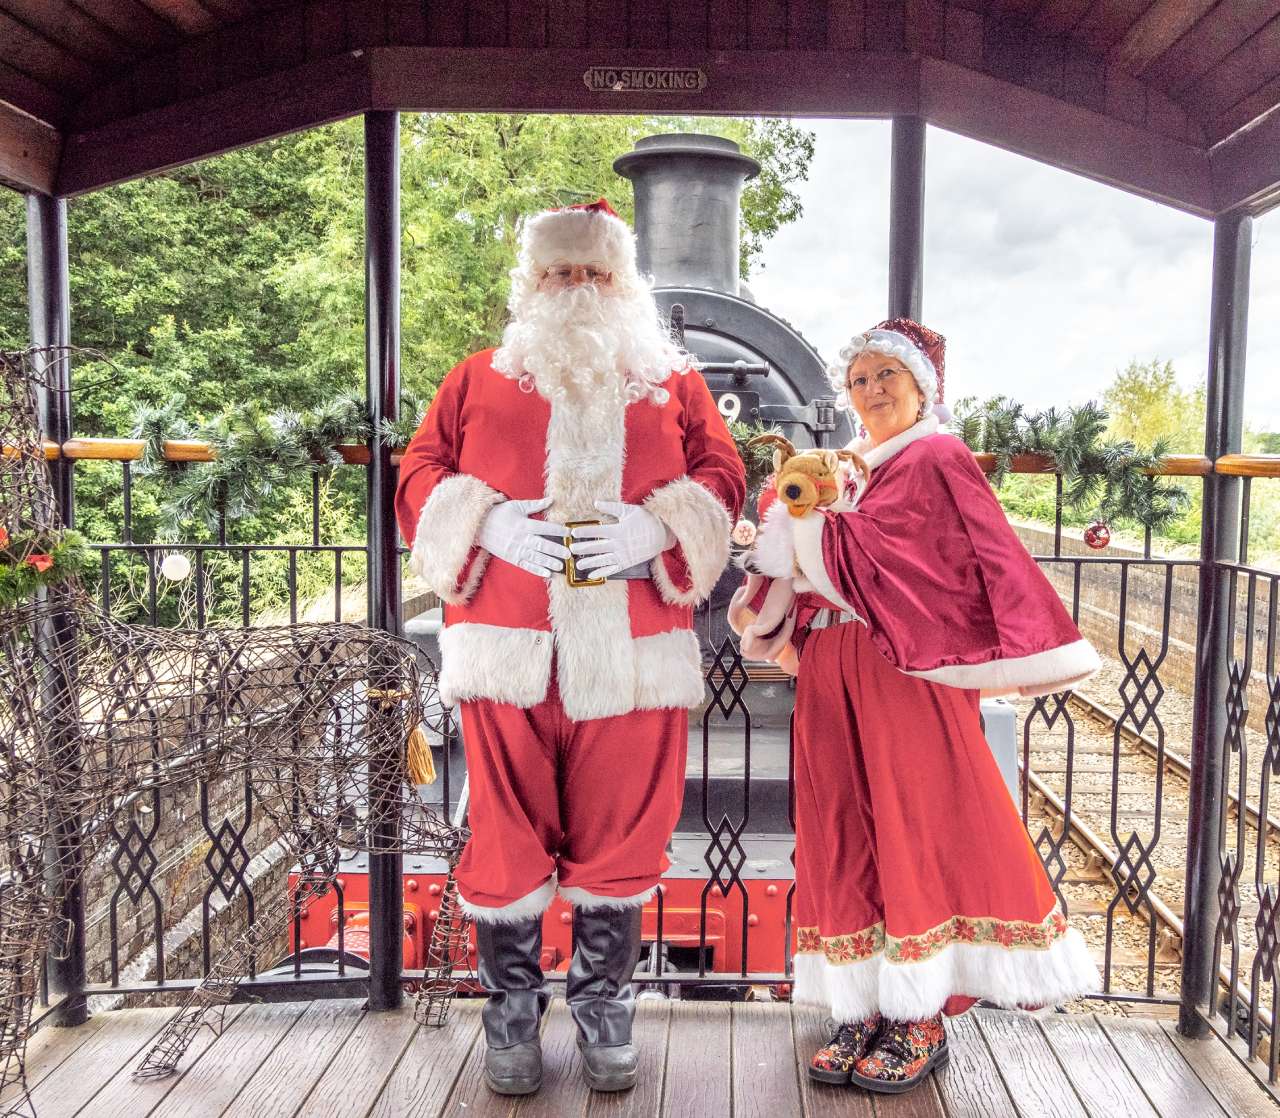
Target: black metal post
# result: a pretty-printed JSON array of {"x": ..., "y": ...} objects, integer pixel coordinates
[
  {"x": 906, "y": 218},
  {"x": 1219, "y": 541},
  {"x": 382, "y": 364},
  {"x": 49, "y": 310}
]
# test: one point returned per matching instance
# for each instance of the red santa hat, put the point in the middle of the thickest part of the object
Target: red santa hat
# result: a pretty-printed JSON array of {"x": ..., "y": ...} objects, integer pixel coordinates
[
  {"x": 921, "y": 350},
  {"x": 590, "y": 233}
]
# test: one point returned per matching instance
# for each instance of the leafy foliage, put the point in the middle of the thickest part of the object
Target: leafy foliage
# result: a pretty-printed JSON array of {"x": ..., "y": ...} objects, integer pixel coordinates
[{"x": 230, "y": 295}]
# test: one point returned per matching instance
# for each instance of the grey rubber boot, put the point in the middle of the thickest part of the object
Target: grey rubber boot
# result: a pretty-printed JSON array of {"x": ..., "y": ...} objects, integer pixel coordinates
[
  {"x": 511, "y": 973},
  {"x": 606, "y": 948}
]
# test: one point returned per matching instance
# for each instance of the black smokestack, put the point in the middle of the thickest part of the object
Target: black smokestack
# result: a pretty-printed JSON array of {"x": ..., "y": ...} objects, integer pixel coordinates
[{"x": 688, "y": 189}]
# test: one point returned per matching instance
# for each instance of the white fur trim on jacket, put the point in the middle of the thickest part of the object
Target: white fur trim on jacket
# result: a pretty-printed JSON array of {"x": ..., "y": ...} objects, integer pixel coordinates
[
  {"x": 701, "y": 526},
  {"x": 594, "y": 902},
  {"x": 1010, "y": 977},
  {"x": 1041, "y": 673},
  {"x": 531, "y": 904},
  {"x": 514, "y": 666},
  {"x": 447, "y": 528},
  {"x": 494, "y": 662}
]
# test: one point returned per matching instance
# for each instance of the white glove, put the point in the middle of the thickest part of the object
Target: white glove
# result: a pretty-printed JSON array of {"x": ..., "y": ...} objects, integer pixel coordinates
[
  {"x": 636, "y": 538},
  {"x": 532, "y": 545}
]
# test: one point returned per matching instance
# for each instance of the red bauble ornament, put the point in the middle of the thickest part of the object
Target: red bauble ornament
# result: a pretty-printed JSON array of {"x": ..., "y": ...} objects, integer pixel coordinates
[{"x": 1097, "y": 535}]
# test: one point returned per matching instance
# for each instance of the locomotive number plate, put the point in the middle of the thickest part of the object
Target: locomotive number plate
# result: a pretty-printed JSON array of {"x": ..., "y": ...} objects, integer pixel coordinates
[{"x": 742, "y": 407}]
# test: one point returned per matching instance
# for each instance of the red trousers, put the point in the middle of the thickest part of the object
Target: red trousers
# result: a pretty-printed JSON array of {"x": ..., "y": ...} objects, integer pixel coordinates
[
  {"x": 592, "y": 803},
  {"x": 917, "y": 886}
]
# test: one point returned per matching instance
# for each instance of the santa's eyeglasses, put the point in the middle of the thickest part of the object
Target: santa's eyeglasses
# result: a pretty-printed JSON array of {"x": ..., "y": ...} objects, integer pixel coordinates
[{"x": 577, "y": 273}]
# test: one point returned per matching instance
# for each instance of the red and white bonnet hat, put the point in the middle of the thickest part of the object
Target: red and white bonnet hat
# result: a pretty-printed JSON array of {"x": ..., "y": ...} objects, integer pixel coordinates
[{"x": 920, "y": 349}]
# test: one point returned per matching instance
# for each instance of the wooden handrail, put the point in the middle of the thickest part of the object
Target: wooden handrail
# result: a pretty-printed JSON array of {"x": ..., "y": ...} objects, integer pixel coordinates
[
  {"x": 1249, "y": 465},
  {"x": 357, "y": 454}
]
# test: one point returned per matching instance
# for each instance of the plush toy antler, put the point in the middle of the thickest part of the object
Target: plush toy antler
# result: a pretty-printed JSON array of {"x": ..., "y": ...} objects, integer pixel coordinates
[{"x": 808, "y": 479}]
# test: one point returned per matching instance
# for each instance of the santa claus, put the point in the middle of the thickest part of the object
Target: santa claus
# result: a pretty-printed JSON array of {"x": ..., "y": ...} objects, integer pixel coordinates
[{"x": 569, "y": 496}]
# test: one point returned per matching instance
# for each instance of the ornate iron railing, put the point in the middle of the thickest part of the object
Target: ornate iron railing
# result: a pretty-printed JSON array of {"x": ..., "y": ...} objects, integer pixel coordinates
[{"x": 1103, "y": 775}]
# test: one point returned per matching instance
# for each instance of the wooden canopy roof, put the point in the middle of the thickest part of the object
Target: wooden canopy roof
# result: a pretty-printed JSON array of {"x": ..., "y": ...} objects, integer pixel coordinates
[{"x": 1173, "y": 99}]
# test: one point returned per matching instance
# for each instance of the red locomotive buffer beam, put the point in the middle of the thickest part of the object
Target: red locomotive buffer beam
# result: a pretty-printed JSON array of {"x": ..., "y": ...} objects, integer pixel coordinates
[{"x": 758, "y": 926}]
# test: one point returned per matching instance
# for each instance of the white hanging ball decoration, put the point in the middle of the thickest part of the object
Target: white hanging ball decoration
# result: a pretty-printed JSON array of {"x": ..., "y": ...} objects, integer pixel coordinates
[{"x": 175, "y": 567}]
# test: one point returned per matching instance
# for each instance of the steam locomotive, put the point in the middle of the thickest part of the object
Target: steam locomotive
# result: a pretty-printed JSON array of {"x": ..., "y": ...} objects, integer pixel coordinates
[{"x": 723, "y": 909}]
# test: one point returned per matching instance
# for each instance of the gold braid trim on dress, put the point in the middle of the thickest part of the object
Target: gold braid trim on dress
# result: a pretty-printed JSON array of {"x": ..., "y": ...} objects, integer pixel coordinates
[{"x": 982, "y": 930}]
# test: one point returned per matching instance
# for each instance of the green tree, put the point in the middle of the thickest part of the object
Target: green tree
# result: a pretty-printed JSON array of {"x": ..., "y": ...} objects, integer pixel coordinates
[
  {"x": 1146, "y": 402},
  {"x": 239, "y": 281}
]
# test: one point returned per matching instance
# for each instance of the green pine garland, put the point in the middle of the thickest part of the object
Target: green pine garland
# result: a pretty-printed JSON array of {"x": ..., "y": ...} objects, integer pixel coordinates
[
  {"x": 1105, "y": 475},
  {"x": 254, "y": 454}
]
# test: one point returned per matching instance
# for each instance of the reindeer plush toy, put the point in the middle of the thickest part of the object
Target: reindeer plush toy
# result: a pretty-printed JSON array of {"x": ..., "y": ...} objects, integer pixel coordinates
[{"x": 809, "y": 479}]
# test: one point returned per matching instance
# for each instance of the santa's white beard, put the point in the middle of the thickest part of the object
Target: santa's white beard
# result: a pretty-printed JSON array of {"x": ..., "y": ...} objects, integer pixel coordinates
[{"x": 581, "y": 341}]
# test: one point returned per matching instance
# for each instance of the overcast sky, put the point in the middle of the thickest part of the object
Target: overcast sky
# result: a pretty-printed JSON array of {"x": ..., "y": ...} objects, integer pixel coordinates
[{"x": 1044, "y": 283}]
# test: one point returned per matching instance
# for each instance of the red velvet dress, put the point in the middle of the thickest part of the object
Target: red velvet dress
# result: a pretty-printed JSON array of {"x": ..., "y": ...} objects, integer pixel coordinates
[{"x": 917, "y": 887}]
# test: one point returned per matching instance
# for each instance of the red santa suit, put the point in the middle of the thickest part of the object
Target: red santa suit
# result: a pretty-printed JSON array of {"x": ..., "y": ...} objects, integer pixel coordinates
[
  {"x": 917, "y": 887},
  {"x": 573, "y": 700}
]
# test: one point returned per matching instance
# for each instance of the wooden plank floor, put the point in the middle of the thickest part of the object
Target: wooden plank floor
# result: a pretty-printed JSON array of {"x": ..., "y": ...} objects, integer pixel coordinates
[{"x": 699, "y": 1060}]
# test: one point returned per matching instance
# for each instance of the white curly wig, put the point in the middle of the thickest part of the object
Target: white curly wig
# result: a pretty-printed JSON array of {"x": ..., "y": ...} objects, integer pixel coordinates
[{"x": 899, "y": 347}]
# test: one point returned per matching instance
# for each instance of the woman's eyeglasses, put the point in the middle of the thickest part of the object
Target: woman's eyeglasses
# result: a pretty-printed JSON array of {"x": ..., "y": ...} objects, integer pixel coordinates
[{"x": 882, "y": 378}]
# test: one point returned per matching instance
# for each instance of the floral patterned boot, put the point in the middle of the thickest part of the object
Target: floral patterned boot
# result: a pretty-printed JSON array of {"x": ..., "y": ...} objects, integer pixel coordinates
[
  {"x": 905, "y": 1053},
  {"x": 834, "y": 1061}
]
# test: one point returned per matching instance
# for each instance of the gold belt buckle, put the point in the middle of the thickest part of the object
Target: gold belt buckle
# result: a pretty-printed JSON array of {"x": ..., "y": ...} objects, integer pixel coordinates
[{"x": 570, "y": 571}]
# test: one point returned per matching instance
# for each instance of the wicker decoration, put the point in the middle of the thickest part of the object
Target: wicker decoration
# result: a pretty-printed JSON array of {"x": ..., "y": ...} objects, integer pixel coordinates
[{"x": 94, "y": 713}]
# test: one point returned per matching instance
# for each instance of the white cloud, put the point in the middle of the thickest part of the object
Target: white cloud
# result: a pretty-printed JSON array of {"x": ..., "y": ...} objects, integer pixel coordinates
[{"x": 1044, "y": 283}]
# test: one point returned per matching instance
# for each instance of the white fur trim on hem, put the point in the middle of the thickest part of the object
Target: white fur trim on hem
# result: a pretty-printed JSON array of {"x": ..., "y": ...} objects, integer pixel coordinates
[
  {"x": 807, "y": 533},
  {"x": 668, "y": 670},
  {"x": 701, "y": 526},
  {"x": 1010, "y": 977},
  {"x": 446, "y": 533},
  {"x": 593, "y": 902},
  {"x": 531, "y": 904},
  {"x": 494, "y": 662},
  {"x": 514, "y": 666},
  {"x": 1041, "y": 673}
]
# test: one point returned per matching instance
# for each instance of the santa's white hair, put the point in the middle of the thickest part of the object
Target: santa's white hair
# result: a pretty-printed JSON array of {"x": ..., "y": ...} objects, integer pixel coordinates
[{"x": 585, "y": 337}]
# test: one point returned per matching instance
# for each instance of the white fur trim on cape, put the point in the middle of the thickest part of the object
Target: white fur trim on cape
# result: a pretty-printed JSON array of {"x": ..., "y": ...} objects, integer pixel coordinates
[
  {"x": 580, "y": 237},
  {"x": 494, "y": 662},
  {"x": 1010, "y": 977},
  {"x": 531, "y": 904},
  {"x": 775, "y": 551},
  {"x": 879, "y": 454},
  {"x": 1041, "y": 673},
  {"x": 807, "y": 533},
  {"x": 701, "y": 526},
  {"x": 594, "y": 902},
  {"x": 447, "y": 529}
]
